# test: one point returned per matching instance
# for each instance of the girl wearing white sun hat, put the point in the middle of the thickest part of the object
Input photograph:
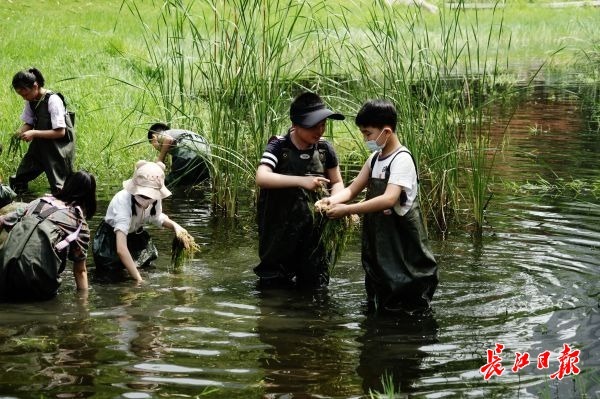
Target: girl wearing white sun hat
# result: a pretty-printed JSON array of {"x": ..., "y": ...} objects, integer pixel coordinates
[{"x": 121, "y": 243}]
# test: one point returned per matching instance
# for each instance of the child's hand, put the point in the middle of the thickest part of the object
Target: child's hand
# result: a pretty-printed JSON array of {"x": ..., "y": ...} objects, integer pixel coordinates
[
  {"x": 337, "y": 211},
  {"x": 138, "y": 282},
  {"x": 314, "y": 183},
  {"x": 28, "y": 135},
  {"x": 179, "y": 231}
]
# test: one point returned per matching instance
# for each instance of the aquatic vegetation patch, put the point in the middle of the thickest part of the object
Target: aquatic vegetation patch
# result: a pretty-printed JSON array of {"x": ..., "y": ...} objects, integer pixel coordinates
[{"x": 33, "y": 344}]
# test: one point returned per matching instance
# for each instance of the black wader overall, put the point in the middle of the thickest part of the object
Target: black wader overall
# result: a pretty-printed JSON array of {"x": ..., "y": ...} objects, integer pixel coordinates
[
  {"x": 104, "y": 248},
  {"x": 289, "y": 230},
  {"x": 400, "y": 271},
  {"x": 54, "y": 157},
  {"x": 188, "y": 163}
]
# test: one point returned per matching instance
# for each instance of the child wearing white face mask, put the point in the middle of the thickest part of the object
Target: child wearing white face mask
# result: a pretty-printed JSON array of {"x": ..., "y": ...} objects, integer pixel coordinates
[
  {"x": 400, "y": 270},
  {"x": 121, "y": 243}
]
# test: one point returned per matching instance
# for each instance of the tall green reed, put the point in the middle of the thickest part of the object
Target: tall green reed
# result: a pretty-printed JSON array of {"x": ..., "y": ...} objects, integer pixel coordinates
[
  {"x": 229, "y": 68},
  {"x": 479, "y": 87},
  {"x": 590, "y": 92},
  {"x": 401, "y": 59}
]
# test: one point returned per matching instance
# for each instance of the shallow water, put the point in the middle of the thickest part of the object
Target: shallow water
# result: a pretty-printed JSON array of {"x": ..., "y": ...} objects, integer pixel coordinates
[{"x": 531, "y": 283}]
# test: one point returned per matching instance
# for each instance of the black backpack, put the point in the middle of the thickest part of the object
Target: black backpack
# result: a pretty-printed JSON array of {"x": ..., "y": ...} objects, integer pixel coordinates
[
  {"x": 31, "y": 259},
  {"x": 70, "y": 113}
]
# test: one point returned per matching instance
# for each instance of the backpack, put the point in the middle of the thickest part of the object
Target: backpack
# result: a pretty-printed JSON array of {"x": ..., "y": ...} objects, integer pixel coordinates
[
  {"x": 30, "y": 259},
  {"x": 71, "y": 114}
]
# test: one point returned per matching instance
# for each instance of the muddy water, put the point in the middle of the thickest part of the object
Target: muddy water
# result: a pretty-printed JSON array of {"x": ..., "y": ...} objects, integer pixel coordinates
[{"x": 531, "y": 284}]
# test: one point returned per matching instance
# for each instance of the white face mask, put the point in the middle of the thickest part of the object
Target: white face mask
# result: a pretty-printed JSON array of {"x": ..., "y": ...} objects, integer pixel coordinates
[
  {"x": 143, "y": 202},
  {"x": 372, "y": 144}
]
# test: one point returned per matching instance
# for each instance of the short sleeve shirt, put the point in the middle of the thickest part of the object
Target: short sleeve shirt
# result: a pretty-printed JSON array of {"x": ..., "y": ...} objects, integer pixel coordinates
[
  {"x": 274, "y": 149},
  {"x": 57, "y": 111},
  {"x": 402, "y": 173},
  {"x": 120, "y": 217}
]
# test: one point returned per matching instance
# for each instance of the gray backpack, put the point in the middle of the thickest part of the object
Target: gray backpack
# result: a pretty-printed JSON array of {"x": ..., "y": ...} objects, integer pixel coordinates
[{"x": 33, "y": 257}]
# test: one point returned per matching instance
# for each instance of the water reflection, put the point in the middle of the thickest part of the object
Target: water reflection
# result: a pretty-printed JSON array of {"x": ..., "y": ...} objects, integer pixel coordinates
[
  {"x": 307, "y": 355},
  {"x": 392, "y": 347},
  {"x": 53, "y": 338}
]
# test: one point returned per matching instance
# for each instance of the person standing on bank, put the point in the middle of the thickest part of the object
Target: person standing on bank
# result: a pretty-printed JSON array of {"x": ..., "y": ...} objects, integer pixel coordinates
[
  {"x": 189, "y": 154},
  {"x": 49, "y": 130},
  {"x": 401, "y": 273},
  {"x": 121, "y": 243},
  {"x": 294, "y": 170}
]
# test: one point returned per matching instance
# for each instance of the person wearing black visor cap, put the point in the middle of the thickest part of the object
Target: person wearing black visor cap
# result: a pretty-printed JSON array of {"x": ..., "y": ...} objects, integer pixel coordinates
[{"x": 295, "y": 171}]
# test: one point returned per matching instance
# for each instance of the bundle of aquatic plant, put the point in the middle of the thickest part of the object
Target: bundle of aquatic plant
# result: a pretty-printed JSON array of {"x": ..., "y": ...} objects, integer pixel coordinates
[
  {"x": 14, "y": 146},
  {"x": 336, "y": 232},
  {"x": 183, "y": 249}
]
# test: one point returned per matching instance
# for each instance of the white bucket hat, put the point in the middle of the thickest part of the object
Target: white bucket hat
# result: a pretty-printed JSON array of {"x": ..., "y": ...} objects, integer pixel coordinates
[{"x": 148, "y": 180}]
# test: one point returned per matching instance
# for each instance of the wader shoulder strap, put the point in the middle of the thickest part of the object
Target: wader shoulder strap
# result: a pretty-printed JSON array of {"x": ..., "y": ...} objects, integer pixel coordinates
[
  {"x": 71, "y": 237},
  {"x": 68, "y": 239},
  {"x": 44, "y": 215},
  {"x": 69, "y": 115},
  {"x": 373, "y": 160},
  {"x": 387, "y": 172}
]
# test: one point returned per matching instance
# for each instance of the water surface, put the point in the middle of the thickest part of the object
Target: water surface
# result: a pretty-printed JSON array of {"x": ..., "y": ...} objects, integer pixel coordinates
[{"x": 530, "y": 284}]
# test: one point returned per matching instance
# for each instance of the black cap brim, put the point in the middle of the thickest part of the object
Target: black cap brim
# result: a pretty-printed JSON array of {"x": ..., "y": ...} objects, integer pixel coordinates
[{"x": 313, "y": 118}]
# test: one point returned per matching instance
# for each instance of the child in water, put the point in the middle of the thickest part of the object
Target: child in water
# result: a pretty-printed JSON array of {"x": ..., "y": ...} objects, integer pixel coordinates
[
  {"x": 121, "y": 243},
  {"x": 293, "y": 171},
  {"x": 189, "y": 153},
  {"x": 401, "y": 273},
  {"x": 33, "y": 257}
]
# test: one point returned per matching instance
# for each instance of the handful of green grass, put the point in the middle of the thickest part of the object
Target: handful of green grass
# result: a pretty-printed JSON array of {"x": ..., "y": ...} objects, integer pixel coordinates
[
  {"x": 183, "y": 249},
  {"x": 336, "y": 232},
  {"x": 14, "y": 146}
]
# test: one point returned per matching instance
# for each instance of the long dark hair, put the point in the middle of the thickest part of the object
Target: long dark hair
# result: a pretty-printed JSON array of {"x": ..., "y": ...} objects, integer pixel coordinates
[
  {"x": 26, "y": 78},
  {"x": 80, "y": 190}
]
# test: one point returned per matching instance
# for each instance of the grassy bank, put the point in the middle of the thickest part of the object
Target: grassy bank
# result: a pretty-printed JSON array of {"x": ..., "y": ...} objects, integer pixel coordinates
[{"x": 230, "y": 72}]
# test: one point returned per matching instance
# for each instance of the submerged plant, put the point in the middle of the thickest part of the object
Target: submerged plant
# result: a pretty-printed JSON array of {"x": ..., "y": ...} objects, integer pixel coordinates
[
  {"x": 34, "y": 344},
  {"x": 389, "y": 389},
  {"x": 572, "y": 188},
  {"x": 537, "y": 130}
]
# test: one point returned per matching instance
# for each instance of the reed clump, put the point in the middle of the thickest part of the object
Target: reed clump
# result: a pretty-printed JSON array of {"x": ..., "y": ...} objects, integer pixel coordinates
[{"x": 233, "y": 71}]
